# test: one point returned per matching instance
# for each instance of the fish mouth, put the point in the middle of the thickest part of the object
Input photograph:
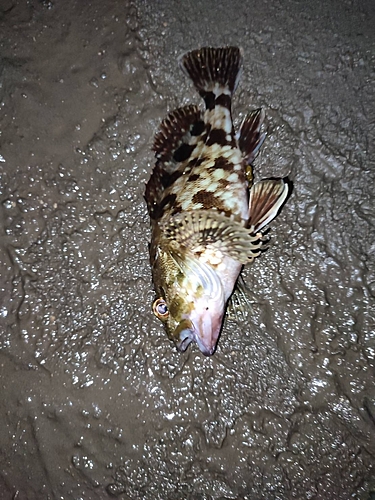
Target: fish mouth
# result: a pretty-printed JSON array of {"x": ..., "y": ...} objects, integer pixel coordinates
[
  {"x": 184, "y": 335},
  {"x": 204, "y": 332},
  {"x": 185, "y": 339}
]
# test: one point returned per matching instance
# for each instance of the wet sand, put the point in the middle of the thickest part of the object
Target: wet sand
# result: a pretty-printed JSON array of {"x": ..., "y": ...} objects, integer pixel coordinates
[{"x": 95, "y": 401}]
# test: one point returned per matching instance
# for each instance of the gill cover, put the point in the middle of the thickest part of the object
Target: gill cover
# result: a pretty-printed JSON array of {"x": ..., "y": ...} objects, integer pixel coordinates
[{"x": 203, "y": 296}]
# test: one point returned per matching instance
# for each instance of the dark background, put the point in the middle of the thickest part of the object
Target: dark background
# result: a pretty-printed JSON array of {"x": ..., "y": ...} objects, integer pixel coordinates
[{"x": 95, "y": 401}]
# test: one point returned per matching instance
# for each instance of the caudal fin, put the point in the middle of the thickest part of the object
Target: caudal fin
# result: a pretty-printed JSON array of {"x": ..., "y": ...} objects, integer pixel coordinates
[
  {"x": 213, "y": 69},
  {"x": 266, "y": 199}
]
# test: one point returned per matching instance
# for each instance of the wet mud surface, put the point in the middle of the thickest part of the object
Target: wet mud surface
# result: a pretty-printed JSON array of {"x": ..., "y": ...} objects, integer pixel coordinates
[{"x": 95, "y": 401}]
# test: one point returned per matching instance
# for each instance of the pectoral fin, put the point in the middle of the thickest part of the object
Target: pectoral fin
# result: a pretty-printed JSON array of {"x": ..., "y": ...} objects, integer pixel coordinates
[
  {"x": 266, "y": 199},
  {"x": 208, "y": 229}
]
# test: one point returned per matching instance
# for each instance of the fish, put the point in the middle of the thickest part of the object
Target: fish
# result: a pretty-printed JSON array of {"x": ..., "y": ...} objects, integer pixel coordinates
[{"x": 207, "y": 215}]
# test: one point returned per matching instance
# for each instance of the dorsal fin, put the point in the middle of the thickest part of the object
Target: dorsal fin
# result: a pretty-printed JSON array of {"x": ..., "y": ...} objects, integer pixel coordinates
[
  {"x": 174, "y": 143},
  {"x": 154, "y": 190},
  {"x": 250, "y": 139},
  {"x": 178, "y": 131}
]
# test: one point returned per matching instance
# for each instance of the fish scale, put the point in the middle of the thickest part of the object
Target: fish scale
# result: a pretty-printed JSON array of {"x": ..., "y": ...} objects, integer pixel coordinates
[
  {"x": 206, "y": 188},
  {"x": 206, "y": 218}
]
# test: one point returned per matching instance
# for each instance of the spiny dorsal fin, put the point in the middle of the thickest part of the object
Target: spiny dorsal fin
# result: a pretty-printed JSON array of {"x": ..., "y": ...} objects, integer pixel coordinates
[
  {"x": 266, "y": 199},
  {"x": 178, "y": 131},
  {"x": 210, "y": 66},
  {"x": 174, "y": 143},
  {"x": 250, "y": 139},
  {"x": 208, "y": 229}
]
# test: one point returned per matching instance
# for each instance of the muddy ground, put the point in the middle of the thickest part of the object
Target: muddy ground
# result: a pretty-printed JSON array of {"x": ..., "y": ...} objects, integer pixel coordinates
[{"x": 95, "y": 401}]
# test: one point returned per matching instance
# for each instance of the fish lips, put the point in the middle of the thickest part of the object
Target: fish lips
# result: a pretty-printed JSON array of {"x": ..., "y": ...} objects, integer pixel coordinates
[{"x": 203, "y": 330}]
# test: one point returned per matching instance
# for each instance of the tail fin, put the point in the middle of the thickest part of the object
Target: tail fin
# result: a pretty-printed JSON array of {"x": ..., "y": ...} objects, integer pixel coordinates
[
  {"x": 210, "y": 68},
  {"x": 266, "y": 199}
]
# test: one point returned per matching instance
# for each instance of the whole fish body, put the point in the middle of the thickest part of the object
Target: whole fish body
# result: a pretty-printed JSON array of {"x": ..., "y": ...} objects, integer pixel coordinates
[{"x": 206, "y": 214}]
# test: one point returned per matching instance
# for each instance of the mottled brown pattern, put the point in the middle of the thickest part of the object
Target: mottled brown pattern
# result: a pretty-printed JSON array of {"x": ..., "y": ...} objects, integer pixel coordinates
[
  {"x": 224, "y": 100},
  {"x": 169, "y": 179},
  {"x": 223, "y": 163},
  {"x": 208, "y": 200},
  {"x": 217, "y": 136},
  {"x": 209, "y": 99},
  {"x": 198, "y": 128},
  {"x": 223, "y": 183},
  {"x": 166, "y": 203},
  {"x": 193, "y": 177},
  {"x": 183, "y": 152},
  {"x": 200, "y": 161}
]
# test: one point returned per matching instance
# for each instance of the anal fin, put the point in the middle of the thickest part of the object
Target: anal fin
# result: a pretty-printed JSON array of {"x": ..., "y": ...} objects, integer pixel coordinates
[{"x": 266, "y": 199}]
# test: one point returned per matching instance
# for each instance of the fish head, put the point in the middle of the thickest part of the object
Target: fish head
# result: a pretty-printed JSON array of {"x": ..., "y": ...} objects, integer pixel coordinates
[{"x": 191, "y": 301}]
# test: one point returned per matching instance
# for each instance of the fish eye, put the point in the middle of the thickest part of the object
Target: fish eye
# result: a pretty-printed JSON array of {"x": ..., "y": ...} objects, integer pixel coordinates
[{"x": 160, "y": 309}]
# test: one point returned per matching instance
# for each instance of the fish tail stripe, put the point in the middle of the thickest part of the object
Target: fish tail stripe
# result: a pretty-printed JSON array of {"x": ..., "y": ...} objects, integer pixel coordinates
[
  {"x": 250, "y": 138},
  {"x": 266, "y": 199},
  {"x": 213, "y": 70},
  {"x": 224, "y": 100},
  {"x": 219, "y": 97}
]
